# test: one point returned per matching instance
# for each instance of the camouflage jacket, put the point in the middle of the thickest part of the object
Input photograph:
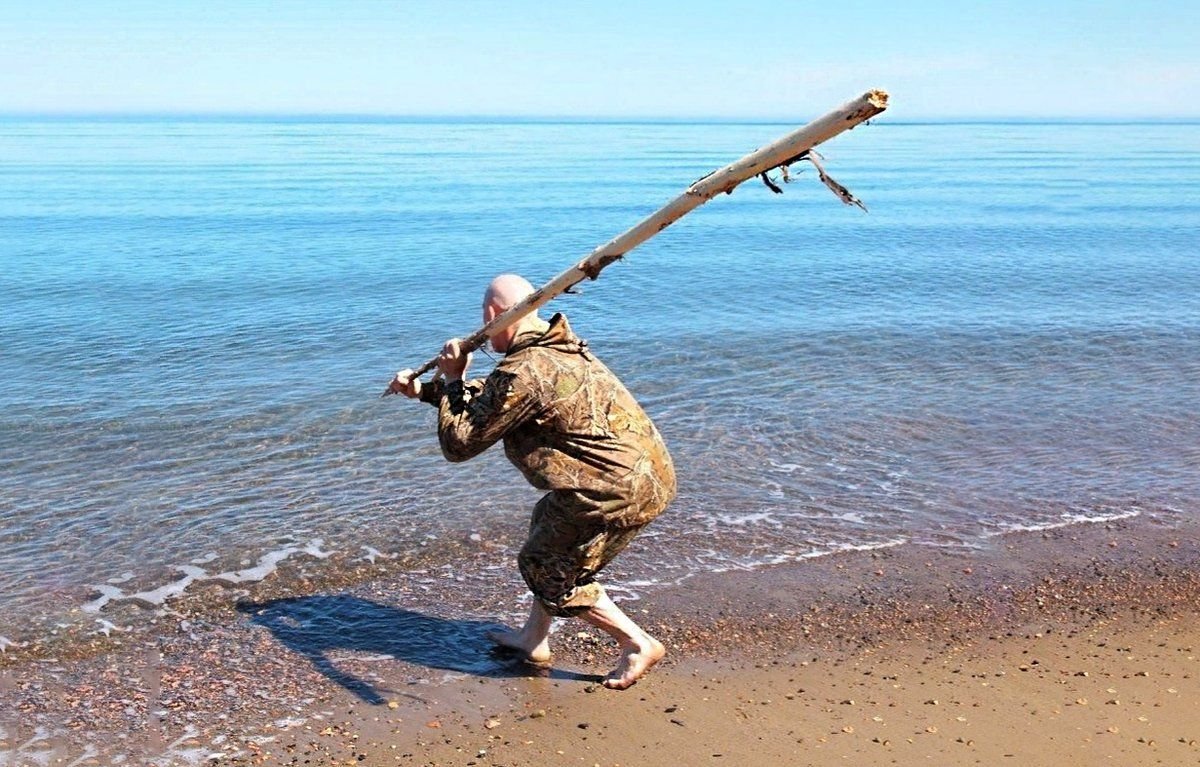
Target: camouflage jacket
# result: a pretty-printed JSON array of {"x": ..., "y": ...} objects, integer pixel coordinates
[{"x": 567, "y": 423}]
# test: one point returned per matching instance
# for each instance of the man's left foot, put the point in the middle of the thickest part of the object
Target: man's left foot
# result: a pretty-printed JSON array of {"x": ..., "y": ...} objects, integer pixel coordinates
[
  {"x": 531, "y": 651},
  {"x": 635, "y": 661}
]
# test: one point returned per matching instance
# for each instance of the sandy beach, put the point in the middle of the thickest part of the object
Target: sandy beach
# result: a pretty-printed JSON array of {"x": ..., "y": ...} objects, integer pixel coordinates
[
  {"x": 916, "y": 316},
  {"x": 1069, "y": 646},
  {"x": 236, "y": 571}
]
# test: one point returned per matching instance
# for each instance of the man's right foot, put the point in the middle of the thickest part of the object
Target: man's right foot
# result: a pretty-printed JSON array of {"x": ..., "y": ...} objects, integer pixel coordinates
[
  {"x": 636, "y": 660},
  {"x": 532, "y": 651}
]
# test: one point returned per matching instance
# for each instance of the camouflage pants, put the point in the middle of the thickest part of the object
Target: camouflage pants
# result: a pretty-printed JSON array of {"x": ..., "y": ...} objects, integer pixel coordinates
[{"x": 568, "y": 544}]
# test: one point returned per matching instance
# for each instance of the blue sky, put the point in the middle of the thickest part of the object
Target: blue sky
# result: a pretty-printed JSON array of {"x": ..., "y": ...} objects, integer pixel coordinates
[{"x": 613, "y": 59}]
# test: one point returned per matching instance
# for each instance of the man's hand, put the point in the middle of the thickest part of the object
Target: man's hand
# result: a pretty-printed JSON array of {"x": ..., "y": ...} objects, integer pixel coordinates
[
  {"x": 452, "y": 362},
  {"x": 405, "y": 384}
]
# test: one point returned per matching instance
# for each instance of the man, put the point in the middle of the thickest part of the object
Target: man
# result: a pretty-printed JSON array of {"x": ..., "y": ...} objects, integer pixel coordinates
[{"x": 573, "y": 429}]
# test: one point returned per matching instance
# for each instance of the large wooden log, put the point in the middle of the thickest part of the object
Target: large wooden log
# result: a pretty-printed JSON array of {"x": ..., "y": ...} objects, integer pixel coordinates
[{"x": 782, "y": 152}]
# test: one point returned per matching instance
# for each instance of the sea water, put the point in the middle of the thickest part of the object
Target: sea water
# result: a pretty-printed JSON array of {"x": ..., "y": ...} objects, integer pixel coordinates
[{"x": 197, "y": 317}]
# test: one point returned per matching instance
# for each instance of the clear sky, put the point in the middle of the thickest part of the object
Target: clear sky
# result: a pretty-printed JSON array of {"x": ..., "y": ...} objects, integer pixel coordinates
[{"x": 718, "y": 58}]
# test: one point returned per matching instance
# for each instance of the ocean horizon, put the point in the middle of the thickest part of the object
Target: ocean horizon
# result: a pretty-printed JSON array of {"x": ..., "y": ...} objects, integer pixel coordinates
[{"x": 389, "y": 117}]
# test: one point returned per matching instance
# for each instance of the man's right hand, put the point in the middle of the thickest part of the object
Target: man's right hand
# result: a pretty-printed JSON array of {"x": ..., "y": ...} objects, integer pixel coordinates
[{"x": 404, "y": 383}]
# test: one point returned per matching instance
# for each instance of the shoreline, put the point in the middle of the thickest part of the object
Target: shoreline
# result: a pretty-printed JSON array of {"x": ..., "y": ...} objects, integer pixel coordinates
[{"x": 1075, "y": 606}]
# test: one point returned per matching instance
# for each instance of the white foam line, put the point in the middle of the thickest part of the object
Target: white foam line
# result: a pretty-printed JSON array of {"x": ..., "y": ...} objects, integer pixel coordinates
[
  {"x": 6, "y": 643},
  {"x": 363, "y": 658},
  {"x": 624, "y": 591},
  {"x": 854, "y": 517},
  {"x": 746, "y": 519},
  {"x": 779, "y": 559},
  {"x": 786, "y": 468},
  {"x": 953, "y": 545},
  {"x": 288, "y": 723},
  {"x": 89, "y": 751},
  {"x": 374, "y": 553},
  {"x": 314, "y": 549},
  {"x": 863, "y": 546},
  {"x": 267, "y": 564},
  {"x": 38, "y": 755},
  {"x": 106, "y": 627},
  {"x": 174, "y": 751},
  {"x": 1067, "y": 520},
  {"x": 156, "y": 597},
  {"x": 261, "y": 740},
  {"x": 107, "y": 594},
  {"x": 736, "y": 568}
]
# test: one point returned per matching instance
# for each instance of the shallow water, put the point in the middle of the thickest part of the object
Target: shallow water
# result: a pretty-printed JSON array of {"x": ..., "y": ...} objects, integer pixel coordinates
[{"x": 197, "y": 318}]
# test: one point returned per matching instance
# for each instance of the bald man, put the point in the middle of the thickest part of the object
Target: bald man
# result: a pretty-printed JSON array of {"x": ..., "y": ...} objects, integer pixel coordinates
[{"x": 573, "y": 429}]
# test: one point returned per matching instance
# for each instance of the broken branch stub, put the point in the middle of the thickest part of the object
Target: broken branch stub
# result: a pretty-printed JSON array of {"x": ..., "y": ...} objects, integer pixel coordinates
[{"x": 778, "y": 154}]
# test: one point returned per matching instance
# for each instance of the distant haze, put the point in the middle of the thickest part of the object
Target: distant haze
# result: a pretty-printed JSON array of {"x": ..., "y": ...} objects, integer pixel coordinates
[{"x": 616, "y": 59}]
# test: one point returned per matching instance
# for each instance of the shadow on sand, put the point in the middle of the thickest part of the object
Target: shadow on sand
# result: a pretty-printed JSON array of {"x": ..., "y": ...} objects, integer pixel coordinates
[{"x": 315, "y": 626}]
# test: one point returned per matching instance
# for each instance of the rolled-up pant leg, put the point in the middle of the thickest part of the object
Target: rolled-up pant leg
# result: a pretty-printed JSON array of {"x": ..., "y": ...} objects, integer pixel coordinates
[{"x": 565, "y": 550}]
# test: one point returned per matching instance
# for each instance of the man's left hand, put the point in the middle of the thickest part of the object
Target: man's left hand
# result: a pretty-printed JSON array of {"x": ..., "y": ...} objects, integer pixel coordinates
[{"x": 452, "y": 362}]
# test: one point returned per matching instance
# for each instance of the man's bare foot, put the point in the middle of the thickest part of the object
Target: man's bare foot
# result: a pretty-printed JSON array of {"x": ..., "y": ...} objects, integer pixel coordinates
[
  {"x": 636, "y": 660},
  {"x": 534, "y": 650}
]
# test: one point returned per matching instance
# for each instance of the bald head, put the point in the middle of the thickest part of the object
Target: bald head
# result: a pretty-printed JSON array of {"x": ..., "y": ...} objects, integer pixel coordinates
[{"x": 507, "y": 291}]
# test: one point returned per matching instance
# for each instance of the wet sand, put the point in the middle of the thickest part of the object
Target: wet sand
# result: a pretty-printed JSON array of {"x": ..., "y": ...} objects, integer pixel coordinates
[{"x": 1072, "y": 646}]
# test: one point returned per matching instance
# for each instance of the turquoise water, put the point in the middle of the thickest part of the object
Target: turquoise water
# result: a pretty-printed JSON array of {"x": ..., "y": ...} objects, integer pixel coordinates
[{"x": 197, "y": 318}]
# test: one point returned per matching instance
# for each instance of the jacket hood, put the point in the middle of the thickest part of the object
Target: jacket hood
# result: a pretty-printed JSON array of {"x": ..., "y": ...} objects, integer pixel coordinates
[{"x": 558, "y": 337}]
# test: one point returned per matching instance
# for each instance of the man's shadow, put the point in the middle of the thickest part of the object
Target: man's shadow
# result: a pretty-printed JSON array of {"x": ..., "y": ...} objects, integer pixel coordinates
[{"x": 313, "y": 626}]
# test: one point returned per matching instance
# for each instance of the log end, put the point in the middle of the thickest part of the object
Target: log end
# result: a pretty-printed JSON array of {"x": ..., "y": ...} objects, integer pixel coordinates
[{"x": 877, "y": 98}]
